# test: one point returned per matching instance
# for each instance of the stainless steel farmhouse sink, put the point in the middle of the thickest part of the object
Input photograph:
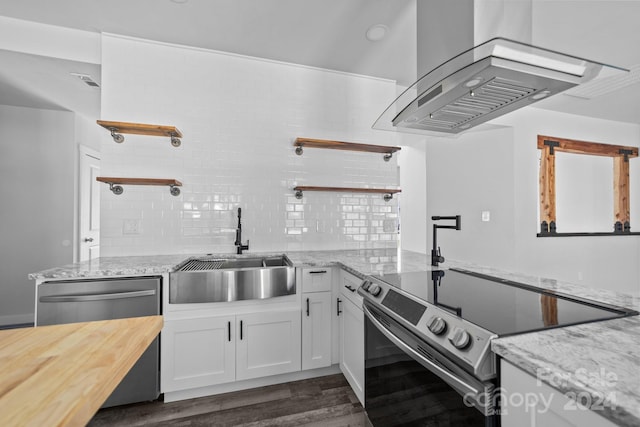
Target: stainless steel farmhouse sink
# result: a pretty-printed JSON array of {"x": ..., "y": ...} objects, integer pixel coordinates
[{"x": 201, "y": 280}]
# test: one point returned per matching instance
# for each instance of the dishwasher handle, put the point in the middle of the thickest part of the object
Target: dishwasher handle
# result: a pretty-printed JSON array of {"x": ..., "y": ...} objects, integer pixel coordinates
[{"x": 97, "y": 297}]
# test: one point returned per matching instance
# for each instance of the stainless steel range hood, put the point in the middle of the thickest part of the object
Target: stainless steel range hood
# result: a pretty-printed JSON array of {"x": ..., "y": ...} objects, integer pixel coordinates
[{"x": 483, "y": 83}]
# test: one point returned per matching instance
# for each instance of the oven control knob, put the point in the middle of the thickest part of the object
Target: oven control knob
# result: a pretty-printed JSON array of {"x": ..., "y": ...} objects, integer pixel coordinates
[
  {"x": 437, "y": 325},
  {"x": 374, "y": 290},
  {"x": 460, "y": 338},
  {"x": 366, "y": 284}
]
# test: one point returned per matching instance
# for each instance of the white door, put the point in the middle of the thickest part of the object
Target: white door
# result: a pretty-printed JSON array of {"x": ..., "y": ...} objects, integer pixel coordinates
[
  {"x": 89, "y": 203},
  {"x": 267, "y": 344},
  {"x": 316, "y": 330}
]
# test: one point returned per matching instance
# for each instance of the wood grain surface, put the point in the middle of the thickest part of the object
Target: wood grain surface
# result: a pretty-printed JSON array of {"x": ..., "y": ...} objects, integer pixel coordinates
[
  {"x": 60, "y": 375},
  {"x": 139, "y": 181},
  {"x": 316, "y": 402},
  {"x": 347, "y": 146},
  {"x": 140, "y": 128}
]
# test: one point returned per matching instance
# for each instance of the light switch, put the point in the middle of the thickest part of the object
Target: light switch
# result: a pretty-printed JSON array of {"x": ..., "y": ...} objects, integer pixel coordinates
[{"x": 486, "y": 216}]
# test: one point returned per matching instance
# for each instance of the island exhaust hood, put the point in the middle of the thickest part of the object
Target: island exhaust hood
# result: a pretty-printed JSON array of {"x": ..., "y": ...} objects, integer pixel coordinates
[{"x": 485, "y": 82}]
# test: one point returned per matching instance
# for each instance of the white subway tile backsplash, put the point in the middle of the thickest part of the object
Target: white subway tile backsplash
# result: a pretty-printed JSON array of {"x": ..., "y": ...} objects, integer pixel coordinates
[{"x": 239, "y": 117}]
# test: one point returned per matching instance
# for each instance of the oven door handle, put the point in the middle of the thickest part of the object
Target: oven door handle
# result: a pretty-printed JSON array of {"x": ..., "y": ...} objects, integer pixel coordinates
[{"x": 468, "y": 391}]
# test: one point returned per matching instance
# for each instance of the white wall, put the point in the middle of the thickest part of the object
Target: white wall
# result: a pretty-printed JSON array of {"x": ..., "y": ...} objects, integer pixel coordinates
[
  {"x": 239, "y": 117},
  {"x": 497, "y": 170},
  {"x": 466, "y": 176},
  {"x": 413, "y": 203},
  {"x": 37, "y": 169}
]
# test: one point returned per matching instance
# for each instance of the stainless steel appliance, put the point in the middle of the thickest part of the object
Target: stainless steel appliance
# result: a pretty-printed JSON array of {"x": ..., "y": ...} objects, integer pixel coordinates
[
  {"x": 204, "y": 280},
  {"x": 88, "y": 300},
  {"x": 428, "y": 359}
]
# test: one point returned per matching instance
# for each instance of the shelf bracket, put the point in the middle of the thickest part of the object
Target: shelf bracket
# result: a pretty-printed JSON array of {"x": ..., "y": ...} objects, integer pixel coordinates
[
  {"x": 299, "y": 150},
  {"x": 175, "y": 141},
  {"x": 388, "y": 157},
  {"x": 116, "y": 189},
  {"x": 298, "y": 194},
  {"x": 387, "y": 197},
  {"x": 117, "y": 137},
  {"x": 175, "y": 191}
]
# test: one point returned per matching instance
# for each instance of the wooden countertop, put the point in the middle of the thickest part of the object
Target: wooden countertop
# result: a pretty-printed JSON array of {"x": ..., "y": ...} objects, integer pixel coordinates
[{"x": 60, "y": 375}]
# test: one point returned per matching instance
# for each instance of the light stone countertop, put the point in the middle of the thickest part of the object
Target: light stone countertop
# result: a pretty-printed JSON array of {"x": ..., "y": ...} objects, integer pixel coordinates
[{"x": 564, "y": 353}]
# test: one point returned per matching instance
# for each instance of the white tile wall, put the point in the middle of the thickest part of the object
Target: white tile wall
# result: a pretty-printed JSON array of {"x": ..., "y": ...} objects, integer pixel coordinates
[{"x": 239, "y": 117}]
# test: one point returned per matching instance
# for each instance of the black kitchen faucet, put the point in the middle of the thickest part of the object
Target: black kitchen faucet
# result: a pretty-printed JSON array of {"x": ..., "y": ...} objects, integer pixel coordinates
[
  {"x": 240, "y": 247},
  {"x": 436, "y": 256}
]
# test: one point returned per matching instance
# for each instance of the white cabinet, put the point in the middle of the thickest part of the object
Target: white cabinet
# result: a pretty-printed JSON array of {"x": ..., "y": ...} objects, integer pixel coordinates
[
  {"x": 316, "y": 279},
  {"x": 530, "y": 403},
  {"x": 316, "y": 317},
  {"x": 206, "y": 351},
  {"x": 316, "y": 330},
  {"x": 198, "y": 352},
  {"x": 352, "y": 334},
  {"x": 267, "y": 344}
]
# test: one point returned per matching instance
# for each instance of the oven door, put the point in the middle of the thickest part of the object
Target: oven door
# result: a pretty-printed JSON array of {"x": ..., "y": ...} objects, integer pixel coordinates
[{"x": 408, "y": 383}]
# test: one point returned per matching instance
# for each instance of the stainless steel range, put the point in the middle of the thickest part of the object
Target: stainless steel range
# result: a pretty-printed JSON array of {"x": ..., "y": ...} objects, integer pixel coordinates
[{"x": 428, "y": 358}]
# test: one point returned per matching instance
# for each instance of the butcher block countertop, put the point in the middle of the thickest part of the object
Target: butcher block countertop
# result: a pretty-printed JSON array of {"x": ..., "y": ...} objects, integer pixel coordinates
[{"x": 60, "y": 375}]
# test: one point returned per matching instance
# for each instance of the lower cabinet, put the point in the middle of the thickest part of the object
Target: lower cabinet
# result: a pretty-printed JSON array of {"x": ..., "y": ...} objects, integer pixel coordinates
[
  {"x": 267, "y": 344},
  {"x": 316, "y": 330},
  {"x": 527, "y": 402},
  {"x": 207, "y": 351},
  {"x": 198, "y": 353},
  {"x": 352, "y": 346}
]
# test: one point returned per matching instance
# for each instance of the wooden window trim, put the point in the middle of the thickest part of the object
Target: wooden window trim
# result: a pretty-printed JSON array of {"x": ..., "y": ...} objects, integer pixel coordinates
[{"x": 620, "y": 155}]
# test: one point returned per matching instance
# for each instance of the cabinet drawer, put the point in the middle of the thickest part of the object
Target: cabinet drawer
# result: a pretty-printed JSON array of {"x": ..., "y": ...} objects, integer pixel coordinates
[
  {"x": 316, "y": 279},
  {"x": 348, "y": 286}
]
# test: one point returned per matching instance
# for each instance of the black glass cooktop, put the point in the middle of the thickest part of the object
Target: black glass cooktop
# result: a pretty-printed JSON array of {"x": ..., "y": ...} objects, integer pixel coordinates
[{"x": 500, "y": 306}]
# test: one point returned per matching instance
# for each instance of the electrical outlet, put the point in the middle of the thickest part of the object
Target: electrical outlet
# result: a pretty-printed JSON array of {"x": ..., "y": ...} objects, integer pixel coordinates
[
  {"x": 389, "y": 225},
  {"x": 486, "y": 216},
  {"x": 131, "y": 226}
]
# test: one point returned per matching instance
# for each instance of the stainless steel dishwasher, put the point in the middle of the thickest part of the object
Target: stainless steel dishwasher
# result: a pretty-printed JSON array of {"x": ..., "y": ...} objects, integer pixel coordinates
[{"x": 88, "y": 300}]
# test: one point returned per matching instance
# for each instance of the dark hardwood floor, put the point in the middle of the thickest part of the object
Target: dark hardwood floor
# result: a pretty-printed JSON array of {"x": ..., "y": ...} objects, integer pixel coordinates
[{"x": 324, "y": 402}]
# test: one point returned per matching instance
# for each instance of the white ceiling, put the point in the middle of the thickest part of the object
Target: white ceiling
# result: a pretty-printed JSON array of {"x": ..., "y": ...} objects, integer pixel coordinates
[{"x": 323, "y": 33}]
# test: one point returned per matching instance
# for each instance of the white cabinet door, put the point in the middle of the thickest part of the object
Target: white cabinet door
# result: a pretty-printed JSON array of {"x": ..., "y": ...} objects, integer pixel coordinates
[
  {"x": 349, "y": 285},
  {"x": 267, "y": 344},
  {"x": 352, "y": 346},
  {"x": 529, "y": 403},
  {"x": 316, "y": 279},
  {"x": 316, "y": 330},
  {"x": 197, "y": 353}
]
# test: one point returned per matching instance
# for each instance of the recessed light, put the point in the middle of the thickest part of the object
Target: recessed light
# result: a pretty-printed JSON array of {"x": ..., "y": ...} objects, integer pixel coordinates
[
  {"x": 540, "y": 95},
  {"x": 474, "y": 82},
  {"x": 465, "y": 126},
  {"x": 377, "y": 32}
]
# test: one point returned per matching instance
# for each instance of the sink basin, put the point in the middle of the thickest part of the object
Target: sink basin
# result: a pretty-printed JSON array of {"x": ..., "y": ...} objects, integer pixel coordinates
[
  {"x": 279, "y": 261},
  {"x": 203, "y": 280}
]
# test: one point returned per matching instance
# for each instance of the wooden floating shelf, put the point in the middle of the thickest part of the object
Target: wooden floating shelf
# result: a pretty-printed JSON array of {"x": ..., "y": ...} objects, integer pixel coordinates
[
  {"x": 345, "y": 146},
  {"x": 388, "y": 193},
  {"x": 115, "y": 183},
  {"x": 118, "y": 128}
]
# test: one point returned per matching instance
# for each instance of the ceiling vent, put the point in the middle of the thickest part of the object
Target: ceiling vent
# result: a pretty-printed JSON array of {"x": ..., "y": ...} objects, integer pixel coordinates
[{"x": 86, "y": 79}]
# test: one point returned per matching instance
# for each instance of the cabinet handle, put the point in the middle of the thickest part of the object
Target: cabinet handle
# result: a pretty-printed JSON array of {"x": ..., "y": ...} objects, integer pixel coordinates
[
  {"x": 350, "y": 288},
  {"x": 241, "y": 330},
  {"x": 307, "y": 307},
  {"x": 338, "y": 311},
  {"x": 318, "y": 272},
  {"x": 229, "y": 330}
]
